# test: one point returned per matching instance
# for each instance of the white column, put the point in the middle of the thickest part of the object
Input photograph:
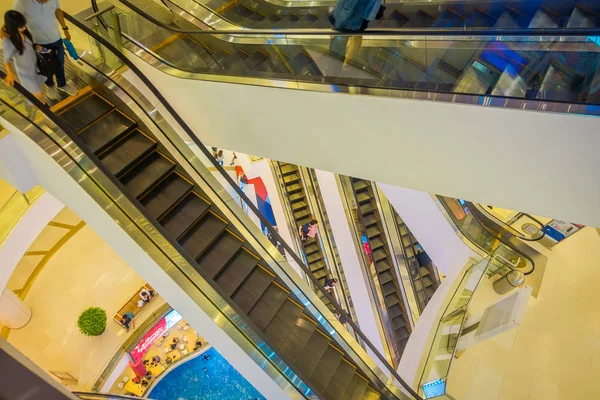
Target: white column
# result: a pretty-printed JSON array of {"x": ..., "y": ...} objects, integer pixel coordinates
[
  {"x": 357, "y": 282},
  {"x": 14, "y": 314}
]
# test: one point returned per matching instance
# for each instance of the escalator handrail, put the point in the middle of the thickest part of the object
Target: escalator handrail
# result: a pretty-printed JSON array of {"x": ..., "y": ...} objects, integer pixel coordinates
[
  {"x": 491, "y": 232},
  {"x": 520, "y": 236},
  {"x": 238, "y": 190},
  {"x": 510, "y": 32},
  {"x": 48, "y": 113}
]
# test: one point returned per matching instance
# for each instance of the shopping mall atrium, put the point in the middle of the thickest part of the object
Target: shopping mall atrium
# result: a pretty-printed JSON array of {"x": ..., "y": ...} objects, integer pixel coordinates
[{"x": 248, "y": 199}]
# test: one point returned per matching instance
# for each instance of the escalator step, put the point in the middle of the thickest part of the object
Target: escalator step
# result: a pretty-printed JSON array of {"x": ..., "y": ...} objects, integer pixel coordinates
[
  {"x": 396, "y": 311},
  {"x": 312, "y": 353},
  {"x": 127, "y": 152},
  {"x": 379, "y": 254},
  {"x": 295, "y": 196},
  {"x": 313, "y": 258},
  {"x": 401, "y": 334},
  {"x": 340, "y": 380},
  {"x": 429, "y": 292},
  {"x": 376, "y": 243},
  {"x": 185, "y": 214},
  {"x": 165, "y": 195},
  {"x": 256, "y": 59},
  {"x": 367, "y": 208},
  {"x": 370, "y": 220},
  {"x": 398, "y": 322},
  {"x": 359, "y": 184},
  {"x": 323, "y": 372},
  {"x": 355, "y": 388},
  {"x": 385, "y": 277},
  {"x": 85, "y": 111},
  {"x": 287, "y": 169},
  {"x": 297, "y": 337},
  {"x": 364, "y": 196},
  {"x": 255, "y": 285},
  {"x": 302, "y": 214},
  {"x": 290, "y": 178},
  {"x": 283, "y": 323},
  {"x": 388, "y": 288},
  {"x": 311, "y": 247},
  {"x": 370, "y": 394},
  {"x": 391, "y": 300},
  {"x": 267, "y": 306},
  {"x": 293, "y": 188},
  {"x": 106, "y": 131},
  {"x": 382, "y": 267},
  {"x": 147, "y": 173},
  {"x": 220, "y": 253},
  {"x": 299, "y": 205},
  {"x": 236, "y": 271},
  {"x": 202, "y": 234},
  {"x": 373, "y": 231},
  {"x": 235, "y": 63}
]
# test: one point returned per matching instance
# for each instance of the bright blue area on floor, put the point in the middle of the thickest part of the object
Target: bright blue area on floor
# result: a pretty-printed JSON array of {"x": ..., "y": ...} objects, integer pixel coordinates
[{"x": 189, "y": 381}]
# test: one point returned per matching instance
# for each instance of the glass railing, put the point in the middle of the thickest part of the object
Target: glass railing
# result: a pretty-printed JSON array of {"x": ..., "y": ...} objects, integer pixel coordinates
[
  {"x": 102, "y": 396},
  {"x": 464, "y": 14},
  {"x": 434, "y": 378},
  {"x": 67, "y": 150},
  {"x": 522, "y": 225},
  {"x": 537, "y": 69},
  {"x": 488, "y": 240},
  {"x": 100, "y": 63}
]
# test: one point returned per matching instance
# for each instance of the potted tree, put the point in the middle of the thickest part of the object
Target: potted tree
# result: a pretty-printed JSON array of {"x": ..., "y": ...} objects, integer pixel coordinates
[{"x": 92, "y": 322}]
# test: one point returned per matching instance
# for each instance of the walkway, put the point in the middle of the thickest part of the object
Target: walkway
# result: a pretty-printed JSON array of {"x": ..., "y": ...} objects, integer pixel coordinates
[
  {"x": 84, "y": 272},
  {"x": 555, "y": 353}
]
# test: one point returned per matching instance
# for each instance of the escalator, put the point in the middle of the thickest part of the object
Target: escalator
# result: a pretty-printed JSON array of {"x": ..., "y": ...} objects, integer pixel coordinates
[
  {"x": 263, "y": 14},
  {"x": 152, "y": 176},
  {"x": 488, "y": 236},
  {"x": 525, "y": 63},
  {"x": 421, "y": 270},
  {"x": 381, "y": 257},
  {"x": 148, "y": 173},
  {"x": 295, "y": 195}
]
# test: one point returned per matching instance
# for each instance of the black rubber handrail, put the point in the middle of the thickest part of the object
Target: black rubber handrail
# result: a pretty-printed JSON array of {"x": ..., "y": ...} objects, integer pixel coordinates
[
  {"x": 103, "y": 169},
  {"x": 468, "y": 32},
  {"x": 238, "y": 190},
  {"x": 497, "y": 235}
]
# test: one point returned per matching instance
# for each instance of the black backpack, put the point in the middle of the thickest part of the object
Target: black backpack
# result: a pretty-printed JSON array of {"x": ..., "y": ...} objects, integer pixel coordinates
[{"x": 47, "y": 63}]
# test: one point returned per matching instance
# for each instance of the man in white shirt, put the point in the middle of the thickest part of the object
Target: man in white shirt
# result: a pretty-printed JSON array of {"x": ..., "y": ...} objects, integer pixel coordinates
[{"x": 42, "y": 17}]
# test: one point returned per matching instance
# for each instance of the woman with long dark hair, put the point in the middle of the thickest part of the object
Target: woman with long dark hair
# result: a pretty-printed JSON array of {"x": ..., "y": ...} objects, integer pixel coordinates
[{"x": 19, "y": 54}]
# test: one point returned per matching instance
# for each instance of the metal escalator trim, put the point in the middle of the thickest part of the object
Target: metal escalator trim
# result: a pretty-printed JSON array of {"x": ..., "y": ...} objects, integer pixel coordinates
[
  {"x": 343, "y": 86},
  {"x": 100, "y": 179},
  {"x": 358, "y": 354},
  {"x": 573, "y": 32}
]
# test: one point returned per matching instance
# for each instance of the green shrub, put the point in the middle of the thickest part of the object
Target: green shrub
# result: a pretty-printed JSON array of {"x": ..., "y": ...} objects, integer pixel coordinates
[{"x": 92, "y": 322}]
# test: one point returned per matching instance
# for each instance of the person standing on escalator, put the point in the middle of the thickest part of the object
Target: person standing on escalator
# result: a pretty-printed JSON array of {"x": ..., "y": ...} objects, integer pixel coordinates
[
  {"x": 352, "y": 16},
  {"x": 42, "y": 17}
]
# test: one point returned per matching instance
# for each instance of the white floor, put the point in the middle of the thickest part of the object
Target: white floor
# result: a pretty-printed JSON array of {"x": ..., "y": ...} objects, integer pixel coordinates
[
  {"x": 555, "y": 352},
  {"x": 84, "y": 272}
]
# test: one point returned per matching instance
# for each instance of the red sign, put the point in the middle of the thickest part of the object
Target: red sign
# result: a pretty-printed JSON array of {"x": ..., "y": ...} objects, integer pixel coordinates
[{"x": 148, "y": 340}]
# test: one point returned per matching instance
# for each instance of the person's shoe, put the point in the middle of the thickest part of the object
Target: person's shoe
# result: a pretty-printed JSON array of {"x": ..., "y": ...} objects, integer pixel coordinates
[
  {"x": 52, "y": 93},
  {"x": 68, "y": 89}
]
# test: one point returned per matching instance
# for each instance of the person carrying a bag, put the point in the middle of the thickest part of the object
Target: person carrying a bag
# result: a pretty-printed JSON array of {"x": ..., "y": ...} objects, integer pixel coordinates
[
  {"x": 20, "y": 56},
  {"x": 44, "y": 16}
]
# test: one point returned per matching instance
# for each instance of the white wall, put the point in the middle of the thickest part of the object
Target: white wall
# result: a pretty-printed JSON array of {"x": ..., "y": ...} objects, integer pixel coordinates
[
  {"x": 427, "y": 223},
  {"x": 542, "y": 163},
  {"x": 56, "y": 181}
]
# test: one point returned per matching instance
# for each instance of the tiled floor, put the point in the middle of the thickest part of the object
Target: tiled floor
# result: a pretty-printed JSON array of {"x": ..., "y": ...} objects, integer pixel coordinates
[
  {"x": 555, "y": 353},
  {"x": 84, "y": 272}
]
